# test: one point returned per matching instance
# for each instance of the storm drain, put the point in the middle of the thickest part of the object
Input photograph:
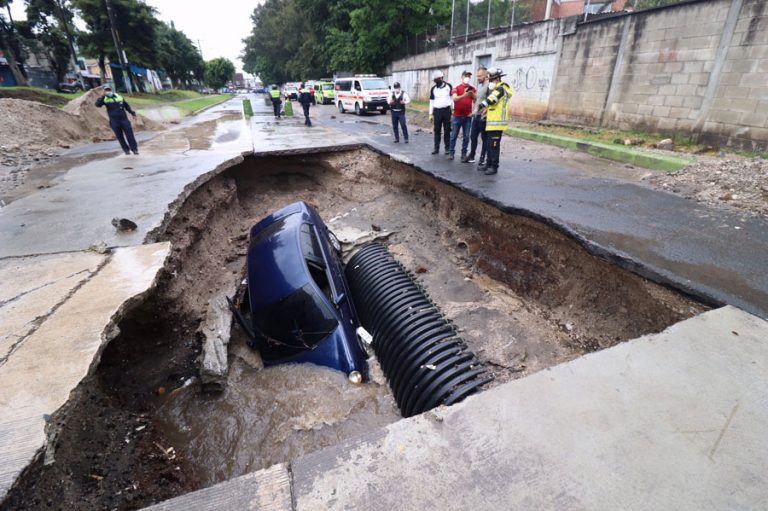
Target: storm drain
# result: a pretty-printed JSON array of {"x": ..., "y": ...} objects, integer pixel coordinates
[{"x": 425, "y": 361}]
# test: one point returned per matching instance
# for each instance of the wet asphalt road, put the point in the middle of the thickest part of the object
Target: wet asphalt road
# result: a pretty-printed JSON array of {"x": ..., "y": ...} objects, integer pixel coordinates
[{"x": 713, "y": 254}]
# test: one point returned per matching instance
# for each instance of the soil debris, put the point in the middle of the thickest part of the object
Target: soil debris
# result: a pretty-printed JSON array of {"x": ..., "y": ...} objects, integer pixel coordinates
[{"x": 741, "y": 184}]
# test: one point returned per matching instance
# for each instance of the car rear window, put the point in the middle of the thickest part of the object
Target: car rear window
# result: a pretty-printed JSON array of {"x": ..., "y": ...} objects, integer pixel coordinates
[{"x": 301, "y": 319}]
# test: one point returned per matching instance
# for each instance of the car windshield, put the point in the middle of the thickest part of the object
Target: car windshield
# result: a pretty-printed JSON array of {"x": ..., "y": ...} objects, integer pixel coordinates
[
  {"x": 302, "y": 319},
  {"x": 375, "y": 83},
  {"x": 328, "y": 86}
]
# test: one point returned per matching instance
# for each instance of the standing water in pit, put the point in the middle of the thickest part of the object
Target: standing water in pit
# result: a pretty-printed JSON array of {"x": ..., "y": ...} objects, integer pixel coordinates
[{"x": 271, "y": 415}]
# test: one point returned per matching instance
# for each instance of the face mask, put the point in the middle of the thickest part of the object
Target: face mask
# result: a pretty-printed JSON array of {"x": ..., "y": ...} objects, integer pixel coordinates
[
  {"x": 492, "y": 85},
  {"x": 438, "y": 81},
  {"x": 110, "y": 94},
  {"x": 397, "y": 91},
  {"x": 465, "y": 79}
]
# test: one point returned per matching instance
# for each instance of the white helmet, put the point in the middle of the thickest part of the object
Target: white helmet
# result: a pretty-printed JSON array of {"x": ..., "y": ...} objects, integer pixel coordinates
[
  {"x": 495, "y": 72},
  {"x": 437, "y": 74}
]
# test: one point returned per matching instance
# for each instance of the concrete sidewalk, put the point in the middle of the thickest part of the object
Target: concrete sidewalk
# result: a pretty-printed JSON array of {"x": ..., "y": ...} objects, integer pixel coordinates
[{"x": 674, "y": 420}]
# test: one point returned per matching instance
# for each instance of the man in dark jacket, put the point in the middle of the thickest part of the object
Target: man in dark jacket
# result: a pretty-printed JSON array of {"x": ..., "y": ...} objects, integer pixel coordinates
[
  {"x": 306, "y": 99},
  {"x": 118, "y": 120}
]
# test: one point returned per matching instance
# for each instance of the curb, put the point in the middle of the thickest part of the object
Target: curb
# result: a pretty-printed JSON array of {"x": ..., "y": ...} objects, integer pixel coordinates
[{"x": 608, "y": 151}]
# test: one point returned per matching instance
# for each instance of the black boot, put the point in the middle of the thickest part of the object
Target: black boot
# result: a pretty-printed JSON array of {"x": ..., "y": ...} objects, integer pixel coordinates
[{"x": 491, "y": 171}]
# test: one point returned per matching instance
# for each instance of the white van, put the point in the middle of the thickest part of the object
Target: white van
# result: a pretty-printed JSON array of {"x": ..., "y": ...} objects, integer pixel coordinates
[{"x": 362, "y": 93}]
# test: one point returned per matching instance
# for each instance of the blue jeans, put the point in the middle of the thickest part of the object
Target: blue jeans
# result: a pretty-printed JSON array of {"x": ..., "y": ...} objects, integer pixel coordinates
[
  {"x": 463, "y": 123},
  {"x": 398, "y": 119},
  {"x": 478, "y": 130}
]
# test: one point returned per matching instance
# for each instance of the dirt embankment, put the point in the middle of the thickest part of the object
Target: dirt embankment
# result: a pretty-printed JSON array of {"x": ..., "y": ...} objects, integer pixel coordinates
[{"x": 33, "y": 132}]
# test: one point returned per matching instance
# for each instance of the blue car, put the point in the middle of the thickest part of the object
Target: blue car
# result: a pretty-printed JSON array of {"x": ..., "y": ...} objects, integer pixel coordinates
[{"x": 300, "y": 305}]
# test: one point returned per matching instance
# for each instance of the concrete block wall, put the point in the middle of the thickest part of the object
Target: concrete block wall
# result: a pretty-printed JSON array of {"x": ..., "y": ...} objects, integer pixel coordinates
[
  {"x": 584, "y": 73},
  {"x": 698, "y": 69},
  {"x": 527, "y": 55},
  {"x": 739, "y": 112}
]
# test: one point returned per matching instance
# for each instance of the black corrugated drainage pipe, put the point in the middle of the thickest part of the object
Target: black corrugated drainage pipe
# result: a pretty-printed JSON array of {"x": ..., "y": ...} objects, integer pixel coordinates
[{"x": 426, "y": 363}]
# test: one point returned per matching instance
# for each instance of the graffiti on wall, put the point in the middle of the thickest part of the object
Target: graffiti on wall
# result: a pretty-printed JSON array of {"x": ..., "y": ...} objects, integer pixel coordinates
[{"x": 529, "y": 79}]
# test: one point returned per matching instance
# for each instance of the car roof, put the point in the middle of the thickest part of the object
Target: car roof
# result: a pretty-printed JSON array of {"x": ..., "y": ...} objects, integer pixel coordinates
[{"x": 275, "y": 259}]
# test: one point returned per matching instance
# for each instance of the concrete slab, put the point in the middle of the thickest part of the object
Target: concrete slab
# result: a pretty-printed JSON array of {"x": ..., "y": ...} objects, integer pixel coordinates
[
  {"x": 265, "y": 490},
  {"x": 37, "y": 377},
  {"x": 675, "y": 420},
  {"x": 31, "y": 288}
]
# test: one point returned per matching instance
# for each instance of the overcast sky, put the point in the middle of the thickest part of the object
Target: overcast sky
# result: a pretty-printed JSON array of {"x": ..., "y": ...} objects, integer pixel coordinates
[{"x": 219, "y": 26}]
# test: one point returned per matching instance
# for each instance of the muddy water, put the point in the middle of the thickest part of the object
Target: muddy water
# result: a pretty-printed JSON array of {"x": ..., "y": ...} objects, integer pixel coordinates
[{"x": 271, "y": 415}]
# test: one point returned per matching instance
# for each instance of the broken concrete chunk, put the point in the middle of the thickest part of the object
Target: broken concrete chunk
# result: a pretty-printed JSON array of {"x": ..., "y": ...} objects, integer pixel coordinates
[
  {"x": 666, "y": 145},
  {"x": 123, "y": 224},
  {"x": 216, "y": 330}
]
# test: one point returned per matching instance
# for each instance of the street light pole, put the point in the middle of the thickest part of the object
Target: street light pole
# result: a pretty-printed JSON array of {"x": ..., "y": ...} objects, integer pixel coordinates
[
  {"x": 118, "y": 48},
  {"x": 512, "y": 23},
  {"x": 453, "y": 8},
  {"x": 488, "y": 23},
  {"x": 466, "y": 32}
]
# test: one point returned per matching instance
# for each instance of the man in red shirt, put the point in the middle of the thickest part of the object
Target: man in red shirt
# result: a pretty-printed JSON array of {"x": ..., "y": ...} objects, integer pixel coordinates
[{"x": 463, "y": 96}]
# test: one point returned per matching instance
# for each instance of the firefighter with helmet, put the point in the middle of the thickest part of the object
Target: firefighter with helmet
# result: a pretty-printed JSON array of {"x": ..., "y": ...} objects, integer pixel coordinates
[{"x": 496, "y": 107}]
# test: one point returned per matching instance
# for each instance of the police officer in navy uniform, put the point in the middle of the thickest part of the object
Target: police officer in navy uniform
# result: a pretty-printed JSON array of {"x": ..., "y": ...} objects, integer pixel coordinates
[
  {"x": 306, "y": 99},
  {"x": 116, "y": 108},
  {"x": 398, "y": 98}
]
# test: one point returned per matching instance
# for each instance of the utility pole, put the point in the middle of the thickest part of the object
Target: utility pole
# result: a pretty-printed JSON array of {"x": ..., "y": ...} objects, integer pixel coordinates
[
  {"x": 72, "y": 53},
  {"x": 200, "y": 49},
  {"x": 119, "y": 48},
  {"x": 586, "y": 10},
  {"x": 453, "y": 8},
  {"x": 512, "y": 23},
  {"x": 488, "y": 23},
  {"x": 466, "y": 31}
]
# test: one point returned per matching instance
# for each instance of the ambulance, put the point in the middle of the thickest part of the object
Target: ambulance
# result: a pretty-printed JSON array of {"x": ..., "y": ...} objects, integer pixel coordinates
[
  {"x": 362, "y": 93},
  {"x": 324, "y": 92}
]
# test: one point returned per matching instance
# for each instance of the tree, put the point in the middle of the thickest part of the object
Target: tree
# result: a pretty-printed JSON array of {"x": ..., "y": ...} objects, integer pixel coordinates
[
  {"x": 300, "y": 39},
  {"x": 9, "y": 43},
  {"x": 41, "y": 13},
  {"x": 218, "y": 72},
  {"x": 50, "y": 40},
  {"x": 136, "y": 25},
  {"x": 178, "y": 55}
]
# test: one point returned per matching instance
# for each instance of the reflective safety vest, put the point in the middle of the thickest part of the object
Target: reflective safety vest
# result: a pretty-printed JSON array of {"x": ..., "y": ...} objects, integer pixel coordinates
[
  {"x": 116, "y": 98},
  {"x": 498, "y": 103},
  {"x": 274, "y": 93}
]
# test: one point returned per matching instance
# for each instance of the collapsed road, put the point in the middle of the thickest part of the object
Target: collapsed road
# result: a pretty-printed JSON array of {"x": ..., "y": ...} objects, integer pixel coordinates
[{"x": 525, "y": 296}]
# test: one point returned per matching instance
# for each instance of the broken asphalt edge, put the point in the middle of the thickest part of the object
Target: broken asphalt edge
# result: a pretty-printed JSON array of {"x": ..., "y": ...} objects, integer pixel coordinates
[
  {"x": 610, "y": 152},
  {"x": 706, "y": 295}
]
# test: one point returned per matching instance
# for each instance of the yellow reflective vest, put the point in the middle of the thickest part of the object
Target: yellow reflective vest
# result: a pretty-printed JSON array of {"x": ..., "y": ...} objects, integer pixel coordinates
[
  {"x": 498, "y": 107},
  {"x": 274, "y": 94}
]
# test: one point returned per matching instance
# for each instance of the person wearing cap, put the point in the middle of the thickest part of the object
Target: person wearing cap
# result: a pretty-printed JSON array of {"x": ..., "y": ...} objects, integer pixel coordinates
[
  {"x": 398, "y": 98},
  {"x": 496, "y": 107},
  {"x": 116, "y": 108},
  {"x": 462, "y": 96},
  {"x": 440, "y": 103}
]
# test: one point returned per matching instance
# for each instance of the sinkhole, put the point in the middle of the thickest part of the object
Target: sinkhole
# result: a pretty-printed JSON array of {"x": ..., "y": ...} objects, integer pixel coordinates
[{"x": 523, "y": 295}]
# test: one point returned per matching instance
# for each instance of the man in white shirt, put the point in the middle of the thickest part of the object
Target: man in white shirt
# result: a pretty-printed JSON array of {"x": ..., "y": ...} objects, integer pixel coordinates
[
  {"x": 440, "y": 103},
  {"x": 398, "y": 98}
]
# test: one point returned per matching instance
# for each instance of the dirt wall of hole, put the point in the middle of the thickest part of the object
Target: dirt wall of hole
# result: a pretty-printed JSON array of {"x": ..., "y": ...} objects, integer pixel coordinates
[{"x": 597, "y": 303}]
